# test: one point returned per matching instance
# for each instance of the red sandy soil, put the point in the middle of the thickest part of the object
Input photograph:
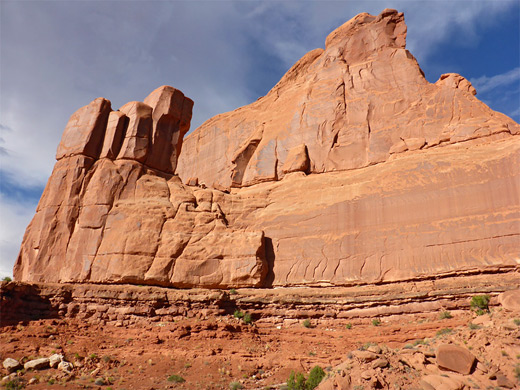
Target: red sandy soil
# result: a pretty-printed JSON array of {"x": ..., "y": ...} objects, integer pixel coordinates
[{"x": 208, "y": 354}]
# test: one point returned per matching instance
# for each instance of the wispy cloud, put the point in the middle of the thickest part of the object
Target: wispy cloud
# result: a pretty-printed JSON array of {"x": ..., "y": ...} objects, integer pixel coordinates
[
  {"x": 15, "y": 215},
  {"x": 485, "y": 84},
  {"x": 58, "y": 56},
  {"x": 5, "y": 128}
]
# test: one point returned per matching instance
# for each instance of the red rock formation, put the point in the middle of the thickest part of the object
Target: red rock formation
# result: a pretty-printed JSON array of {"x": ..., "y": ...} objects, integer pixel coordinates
[
  {"x": 128, "y": 219},
  {"x": 354, "y": 104},
  {"x": 455, "y": 358},
  {"x": 353, "y": 169}
]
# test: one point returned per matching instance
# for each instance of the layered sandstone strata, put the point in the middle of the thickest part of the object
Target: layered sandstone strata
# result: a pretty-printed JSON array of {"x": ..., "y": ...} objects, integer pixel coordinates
[
  {"x": 353, "y": 169},
  {"x": 354, "y": 104},
  {"x": 112, "y": 211}
]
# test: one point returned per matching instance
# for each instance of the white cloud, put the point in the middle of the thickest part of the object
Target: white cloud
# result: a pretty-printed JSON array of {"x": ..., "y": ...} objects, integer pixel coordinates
[
  {"x": 15, "y": 215},
  {"x": 58, "y": 56},
  {"x": 485, "y": 84}
]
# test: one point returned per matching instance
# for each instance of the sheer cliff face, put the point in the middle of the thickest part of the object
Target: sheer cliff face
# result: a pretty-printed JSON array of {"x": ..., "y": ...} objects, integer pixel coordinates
[
  {"x": 354, "y": 104},
  {"x": 113, "y": 212},
  {"x": 352, "y": 169}
]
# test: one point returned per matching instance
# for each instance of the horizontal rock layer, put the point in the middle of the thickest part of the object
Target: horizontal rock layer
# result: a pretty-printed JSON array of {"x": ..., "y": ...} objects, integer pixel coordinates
[
  {"x": 112, "y": 211},
  {"x": 352, "y": 170},
  {"x": 354, "y": 104},
  {"x": 421, "y": 214},
  {"x": 142, "y": 304}
]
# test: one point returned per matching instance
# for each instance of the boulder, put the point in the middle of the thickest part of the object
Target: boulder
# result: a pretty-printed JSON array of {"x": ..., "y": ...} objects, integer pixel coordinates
[
  {"x": 37, "y": 364},
  {"x": 380, "y": 363},
  {"x": 368, "y": 374},
  {"x": 365, "y": 356},
  {"x": 505, "y": 382},
  {"x": 455, "y": 358},
  {"x": 192, "y": 181},
  {"x": 374, "y": 348},
  {"x": 510, "y": 300},
  {"x": 414, "y": 143},
  {"x": 55, "y": 359},
  {"x": 11, "y": 365},
  {"x": 65, "y": 366},
  {"x": 336, "y": 382},
  {"x": 12, "y": 376},
  {"x": 439, "y": 382}
]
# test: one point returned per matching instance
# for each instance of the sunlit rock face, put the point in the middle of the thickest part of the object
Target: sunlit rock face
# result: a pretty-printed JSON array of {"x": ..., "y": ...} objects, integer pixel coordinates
[
  {"x": 352, "y": 169},
  {"x": 113, "y": 212}
]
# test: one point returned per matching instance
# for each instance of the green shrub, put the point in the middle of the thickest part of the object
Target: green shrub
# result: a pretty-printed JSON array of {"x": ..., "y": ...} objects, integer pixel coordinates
[
  {"x": 444, "y": 331},
  {"x": 247, "y": 318},
  {"x": 445, "y": 315},
  {"x": 235, "y": 386},
  {"x": 297, "y": 381},
  {"x": 306, "y": 323},
  {"x": 376, "y": 322},
  {"x": 315, "y": 377},
  {"x": 348, "y": 326},
  {"x": 176, "y": 379},
  {"x": 238, "y": 314},
  {"x": 517, "y": 321},
  {"x": 480, "y": 302},
  {"x": 14, "y": 384},
  {"x": 232, "y": 292},
  {"x": 7, "y": 279},
  {"x": 473, "y": 326}
]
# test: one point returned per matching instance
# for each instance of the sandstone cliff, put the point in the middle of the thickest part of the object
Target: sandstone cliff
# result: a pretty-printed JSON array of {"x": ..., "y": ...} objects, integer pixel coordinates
[
  {"x": 353, "y": 169},
  {"x": 113, "y": 212},
  {"x": 356, "y": 103}
]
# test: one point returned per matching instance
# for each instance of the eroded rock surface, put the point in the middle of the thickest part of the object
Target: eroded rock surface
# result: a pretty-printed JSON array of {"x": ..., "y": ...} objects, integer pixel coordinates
[
  {"x": 128, "y": 219},
  {"x": 353, "y": 169},
  {"x": 354, "y": 104}
]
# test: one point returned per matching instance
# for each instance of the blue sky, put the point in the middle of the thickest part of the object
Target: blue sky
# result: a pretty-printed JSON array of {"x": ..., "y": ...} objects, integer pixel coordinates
[{"x": 56, "y": 56}]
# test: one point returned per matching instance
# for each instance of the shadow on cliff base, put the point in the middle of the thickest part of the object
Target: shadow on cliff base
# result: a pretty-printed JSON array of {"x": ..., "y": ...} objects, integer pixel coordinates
[{"x": 21, "y": 302}]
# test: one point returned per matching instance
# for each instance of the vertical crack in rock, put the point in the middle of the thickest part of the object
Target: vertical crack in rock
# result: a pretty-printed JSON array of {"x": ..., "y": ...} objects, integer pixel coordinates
[
  {"x": 369, "y": 112},
  {"x": 276, "y": 175},
  {"x": 362, "y": 268},
  {"x": 338, "y": 262},
  {"x": 302, "y": 112},
  {"x": 112, "y": 207}
]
